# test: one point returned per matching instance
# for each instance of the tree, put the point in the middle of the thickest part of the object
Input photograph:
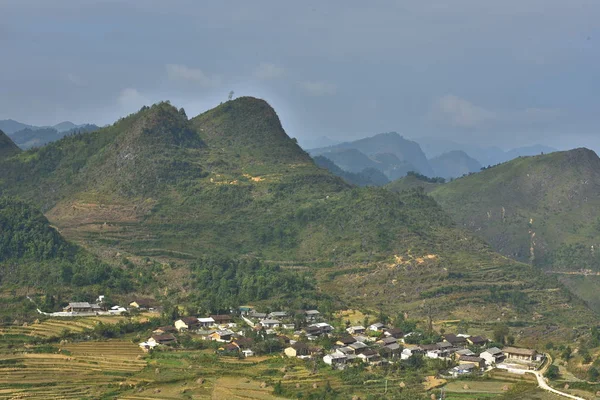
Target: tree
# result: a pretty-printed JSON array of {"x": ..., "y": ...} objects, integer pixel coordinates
[
  {"x": 500, "y": 333},
  {"x": 567, "y": 353},
  {"x": 593, "y": 374},
  {"x": 510, "y": 340},
  {"x": 552, "y": 373}
]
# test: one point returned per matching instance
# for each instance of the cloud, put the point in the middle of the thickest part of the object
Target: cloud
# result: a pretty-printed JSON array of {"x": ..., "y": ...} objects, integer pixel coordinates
[
  {"x": 178, "y": 72},
  {"x": 131, "y": 100},
  {"x": 460, "y": 112},
  {"x": 266, "y": 71},
  {"x": 318, "y": 88}
]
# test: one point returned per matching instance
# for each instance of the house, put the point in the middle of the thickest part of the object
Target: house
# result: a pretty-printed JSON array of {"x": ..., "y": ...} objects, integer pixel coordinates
[
  {"x": 289, "y": 327},
  {"x": 387, "y": 340},
  {"x": 142, "y": 304},
  {"x": 477, "y": 340},
  {"x": 223, "y": 335},
  {"x": 455, "y": 340},
  {"x": 205, "y": 334},
  {"x": 478, "y": 361},
  {"x": 248, "y": 353},
  {"x": 345, "y": 341},
  {"x": 164, "y": 329},
  {"x": 370, "y": 356},
  {"x": 312, "y": 315},
  {"x": 464, "y": 352},
  {"x": 270, "y": 323},
  {"x": 82, "y": 306},
  {"x": 245, "y": 310},
  {"x": 493, "y": 356},
  {"x": 167, "y": 338},
  {"x": 117, "y": 310},
  {"x": 278, "y": 314},
  {"x": 206, "y": 322},
  {"x": 187, "y": 324},
  {"x": 358, "y": 347},
  {"x": 356, "y": 330},
  {"x": 221, "y": 319},
  {"x": 347, "y": 350},
  {"x": 463, "y": 369},
  {"x": 377, "y": 327},
  {"x": 334, "y": 359},
  {"x": 298, "y": 349},
  {"x": 146, "y": 347},
  {"x": 394, "y": 332},
  {"x": 229, "y": 348},
  {"x": 392, "y": 350},
  {"x": 515, "y": 353},
  {"x": 408, "y": 352},
  {"x": 257, "y": 315},
  {"x": 324, "y": 326}
]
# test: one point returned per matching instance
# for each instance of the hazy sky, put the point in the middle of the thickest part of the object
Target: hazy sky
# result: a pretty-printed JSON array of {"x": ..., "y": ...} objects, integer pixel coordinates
[{"x": 507, "y": 72}]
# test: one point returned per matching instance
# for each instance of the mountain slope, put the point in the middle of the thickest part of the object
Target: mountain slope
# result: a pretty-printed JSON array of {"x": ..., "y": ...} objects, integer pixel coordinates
[
  {"x": 231, "y": 182},
  {"x": 33, "y": 253},
  {"x": 454, "y": 164},
  {"x": 413, "y": 181},
  {"x": 532, "y": 208},
  {"x": 10, "y": 126},
  {"x": 366, "y": 177},
  {"x": 407, "y": 153},
  {"x": 7, "y": 147}
]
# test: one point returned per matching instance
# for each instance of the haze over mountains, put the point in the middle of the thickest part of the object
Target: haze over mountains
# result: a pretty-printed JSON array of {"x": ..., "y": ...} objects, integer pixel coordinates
[
  {"x": 26, "y": 136},
  {"x": 394, "y": 156}
]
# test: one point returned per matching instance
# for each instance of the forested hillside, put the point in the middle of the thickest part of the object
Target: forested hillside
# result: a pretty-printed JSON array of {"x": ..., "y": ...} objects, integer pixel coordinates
[
  {"x": 231, "y": 183},
  {"x": 33, "y": 253}
]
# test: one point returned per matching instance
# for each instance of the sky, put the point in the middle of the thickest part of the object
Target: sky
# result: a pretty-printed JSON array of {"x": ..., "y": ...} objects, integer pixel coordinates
[{"x": 504, "y": 73}]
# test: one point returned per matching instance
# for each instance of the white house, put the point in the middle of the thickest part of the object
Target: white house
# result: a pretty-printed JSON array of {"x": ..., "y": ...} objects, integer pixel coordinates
[
  {"x": 270, "y": 323},
  {"x": 206, "y": 322},
  {"x": 356, "y": 330},
  {"x": 493, "y": 356},
  {"x": 376, "y": 327},
  {"x": 335, "y": 359}
]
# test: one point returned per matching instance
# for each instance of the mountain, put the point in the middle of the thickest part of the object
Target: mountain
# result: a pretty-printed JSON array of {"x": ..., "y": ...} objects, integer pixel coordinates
[
  {"x": 366, "y": 177},
  {"x": 65, "y": 126},
  {"x": 315, "y": 142},
  {"x": 541, "y": 210},
  {"x": 454, "y": 164},
  {"x": 7, "y": 147},
  {"x": 487, "y": 156},
  {"x": 10, "y": 126},
  {"x": 415, "y": 181},
  {"x": 394, "y": 154},
  {"x": 39, "y": 136},
  {"x": 533, "y": 209},
  {"x": 230, "y": 182}
]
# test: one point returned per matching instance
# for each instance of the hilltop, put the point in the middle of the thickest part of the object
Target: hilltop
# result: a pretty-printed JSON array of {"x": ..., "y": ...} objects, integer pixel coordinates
[
  {"x": 230, "y": 182},
  {"x": 389, "y": 152},
  {"x": 454, "y": 164},
  {"x": 7, "y": 147},
  {"x": 412, "y": 181}
]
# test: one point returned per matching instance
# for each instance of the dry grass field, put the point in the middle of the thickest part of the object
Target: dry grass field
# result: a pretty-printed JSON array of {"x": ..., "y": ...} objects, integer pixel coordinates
[{"x": 81, "y": 370}]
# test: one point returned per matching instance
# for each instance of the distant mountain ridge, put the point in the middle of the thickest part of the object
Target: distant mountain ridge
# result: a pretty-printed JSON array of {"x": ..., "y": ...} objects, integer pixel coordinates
[
  {"x": 27, "y": 136},
  {"x": 391, "y": 153},
  {"x": 434, "y": 147},
  {"x": 454, "y": 164}
]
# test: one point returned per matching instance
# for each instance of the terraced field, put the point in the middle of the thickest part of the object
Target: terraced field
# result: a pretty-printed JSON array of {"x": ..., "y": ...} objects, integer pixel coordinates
[
  {"x": 53, "y": 328},
  {"x": 85, "y": 371}
]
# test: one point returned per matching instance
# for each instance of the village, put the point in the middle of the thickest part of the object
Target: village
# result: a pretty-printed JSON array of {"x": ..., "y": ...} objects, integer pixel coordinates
[{"x": 305, "y": 335}]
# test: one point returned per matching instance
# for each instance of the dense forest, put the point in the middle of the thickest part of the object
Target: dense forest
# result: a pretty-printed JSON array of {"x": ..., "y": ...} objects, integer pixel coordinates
[
  {"x": 33, "y": 253},
  {"x": 221, "y": 283}
]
